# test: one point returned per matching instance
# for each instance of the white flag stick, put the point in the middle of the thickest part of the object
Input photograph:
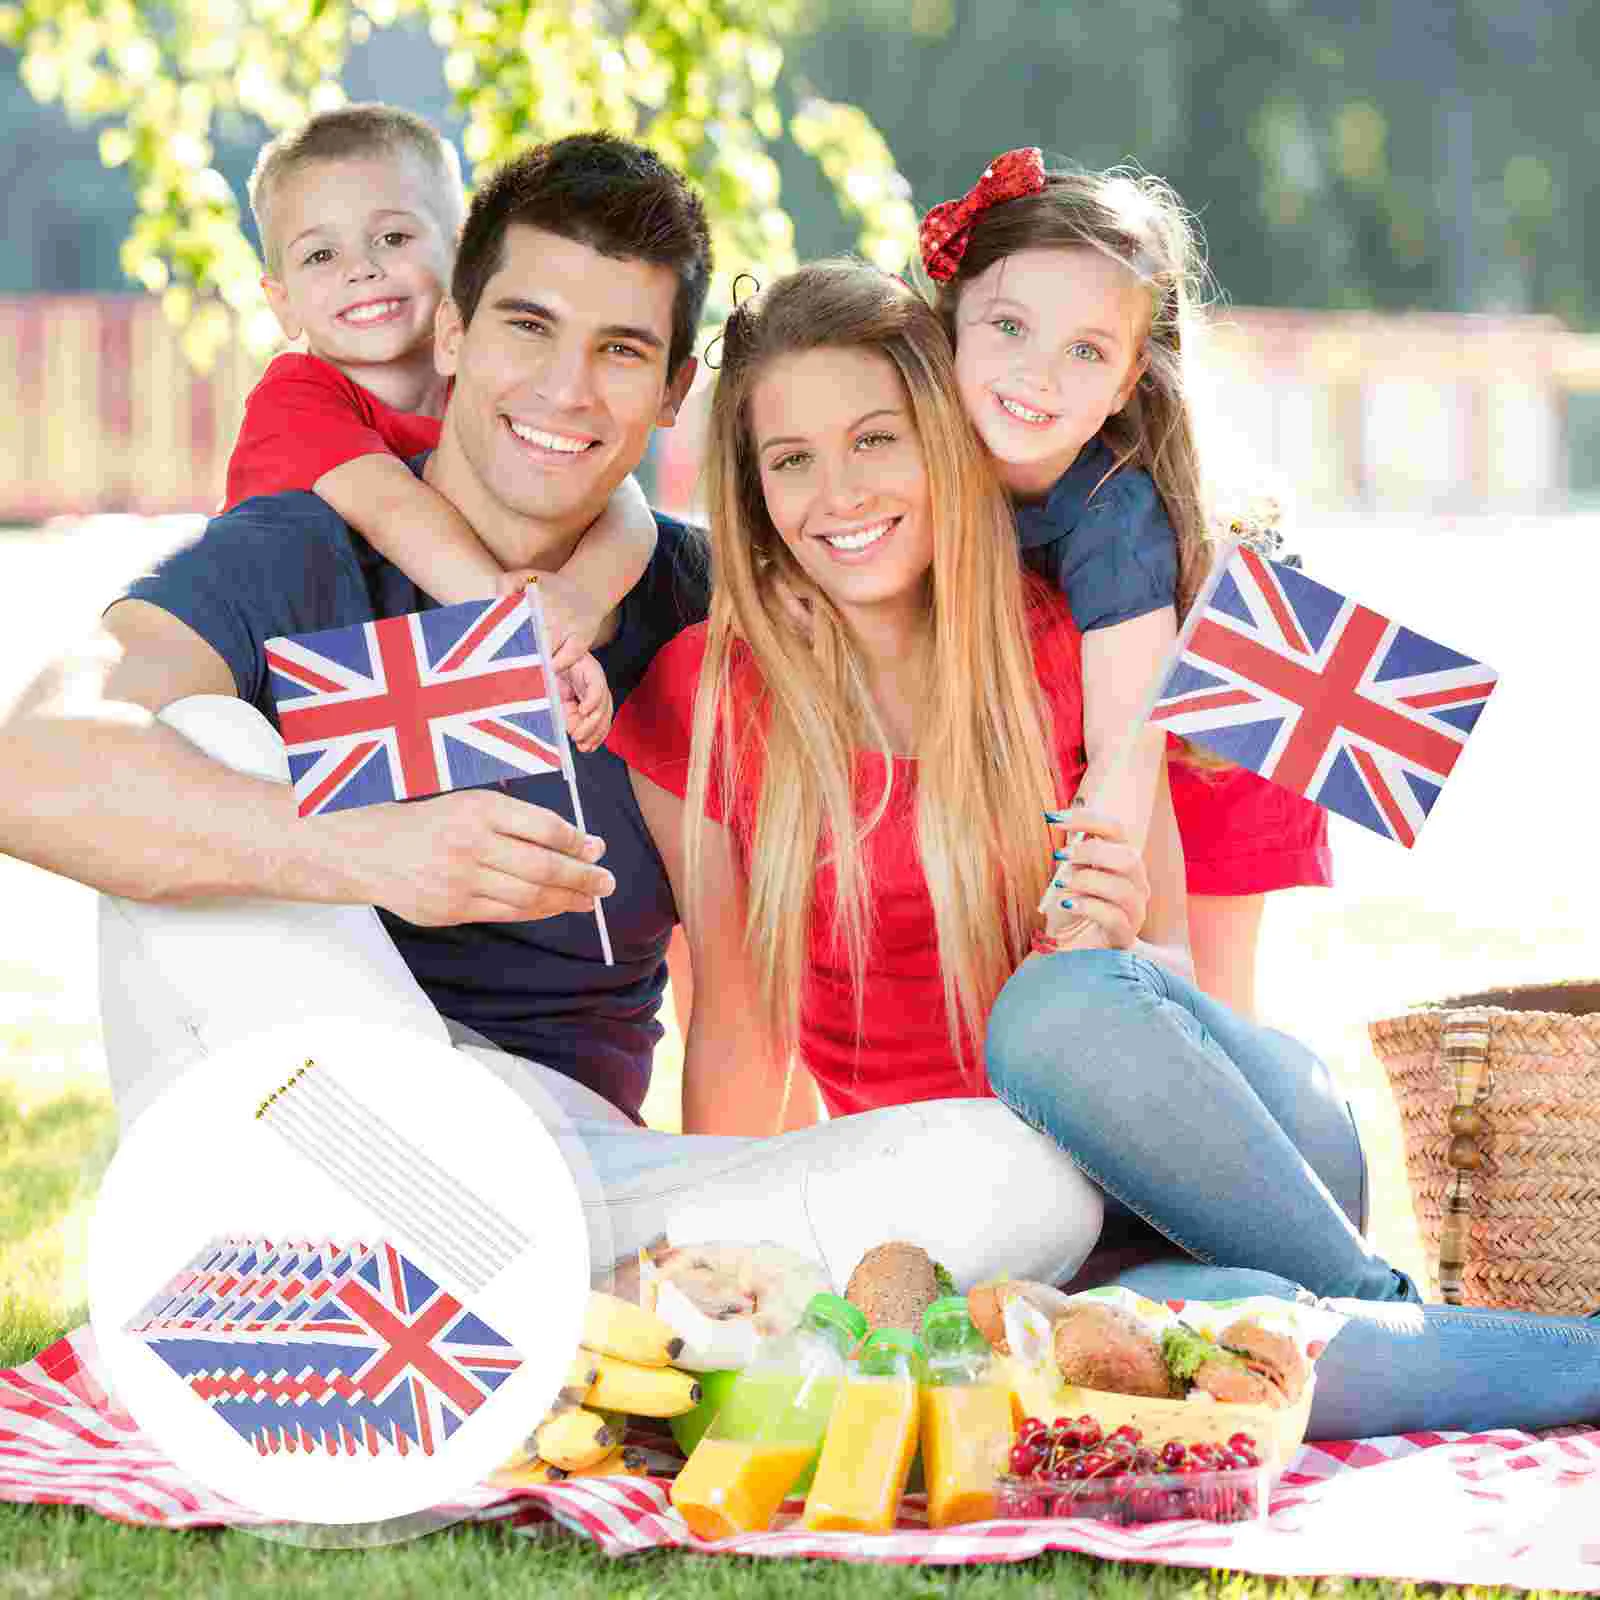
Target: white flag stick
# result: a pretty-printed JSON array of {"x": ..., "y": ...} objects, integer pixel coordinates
[
  {"x": 541, "y": 641},
  {"x": 1130, "y": 737}
]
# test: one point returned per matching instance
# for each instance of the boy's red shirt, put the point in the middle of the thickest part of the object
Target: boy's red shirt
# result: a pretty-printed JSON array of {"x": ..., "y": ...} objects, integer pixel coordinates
[{"x": 304, "y": 418}]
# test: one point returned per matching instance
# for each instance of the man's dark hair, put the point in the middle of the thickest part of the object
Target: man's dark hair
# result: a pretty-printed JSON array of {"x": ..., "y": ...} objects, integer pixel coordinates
[{"x": 602, "y": 191}]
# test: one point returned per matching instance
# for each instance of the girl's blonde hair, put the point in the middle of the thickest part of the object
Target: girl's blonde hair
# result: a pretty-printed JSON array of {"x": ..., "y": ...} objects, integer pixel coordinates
[
  {"x": 982, "y": 739},
  {"x": 1138, "y": 220}
]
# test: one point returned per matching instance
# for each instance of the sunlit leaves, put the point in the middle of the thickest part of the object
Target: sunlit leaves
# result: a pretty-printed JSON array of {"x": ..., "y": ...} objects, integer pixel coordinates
[{"x": 699, "y": 80}]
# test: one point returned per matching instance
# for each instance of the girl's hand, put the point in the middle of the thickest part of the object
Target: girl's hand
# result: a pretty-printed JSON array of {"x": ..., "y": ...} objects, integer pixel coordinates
[
  {"x": 586, "y": 700},
  {"x": 1104, "y": 880}
]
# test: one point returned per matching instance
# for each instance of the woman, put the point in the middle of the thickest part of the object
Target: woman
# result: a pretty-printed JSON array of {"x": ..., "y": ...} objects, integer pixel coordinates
[{"x": 853, "y": 826}]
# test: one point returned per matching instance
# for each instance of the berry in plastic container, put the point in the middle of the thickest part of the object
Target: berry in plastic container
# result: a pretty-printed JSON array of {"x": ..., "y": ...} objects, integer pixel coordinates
[{"x": 1071, "y": 1468}]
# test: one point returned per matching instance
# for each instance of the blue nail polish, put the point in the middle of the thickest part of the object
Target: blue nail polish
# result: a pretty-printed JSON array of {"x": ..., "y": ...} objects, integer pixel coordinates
[
  {"x": 1066, "y": 905},
  {"x": 1055, "y": 816},
  {"x": 1062, "y": 855}
]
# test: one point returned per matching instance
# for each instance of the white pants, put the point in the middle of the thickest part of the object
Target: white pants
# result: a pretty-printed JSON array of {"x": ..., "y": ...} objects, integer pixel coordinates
[{"x": 965, "y": 1179}]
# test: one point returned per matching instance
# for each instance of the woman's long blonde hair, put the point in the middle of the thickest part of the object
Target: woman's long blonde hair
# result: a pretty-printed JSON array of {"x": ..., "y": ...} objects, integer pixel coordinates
[
  {"x": 985, "y": 772},
  {"x": 1136, "y": 219}
]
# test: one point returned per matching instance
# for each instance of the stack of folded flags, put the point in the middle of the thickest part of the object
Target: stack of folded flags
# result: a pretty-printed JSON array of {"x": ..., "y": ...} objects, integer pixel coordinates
[{"x": 299, "y": 1346}]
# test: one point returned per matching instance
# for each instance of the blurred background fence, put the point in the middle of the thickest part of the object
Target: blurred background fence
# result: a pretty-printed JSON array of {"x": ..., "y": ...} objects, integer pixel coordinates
[{"x": 1407, "y": 411}]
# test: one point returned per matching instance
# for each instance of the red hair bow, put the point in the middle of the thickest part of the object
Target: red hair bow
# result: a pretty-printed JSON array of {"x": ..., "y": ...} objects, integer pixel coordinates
[{"x": 946, "y": 229}]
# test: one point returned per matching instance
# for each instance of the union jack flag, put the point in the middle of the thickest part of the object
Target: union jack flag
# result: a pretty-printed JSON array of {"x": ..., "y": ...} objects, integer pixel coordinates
[
  {"x": 1322, "y": 695},
  {"x": 415, "y": 705},
  {"x": 369, "y": 1352}
]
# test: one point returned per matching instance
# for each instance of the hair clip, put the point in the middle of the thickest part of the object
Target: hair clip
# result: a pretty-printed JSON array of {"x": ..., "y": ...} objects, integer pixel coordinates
[
  {"x": 945, "y": 230},
  {"x": 734, "y": 323}
]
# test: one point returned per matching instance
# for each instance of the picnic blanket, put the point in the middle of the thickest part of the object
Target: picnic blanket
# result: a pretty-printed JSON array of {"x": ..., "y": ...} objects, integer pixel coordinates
[{"x": 1494, "y": 1508}]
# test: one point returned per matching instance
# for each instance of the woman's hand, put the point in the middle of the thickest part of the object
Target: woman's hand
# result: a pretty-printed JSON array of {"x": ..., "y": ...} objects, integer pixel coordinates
[{"x": 1102, "y": 881}]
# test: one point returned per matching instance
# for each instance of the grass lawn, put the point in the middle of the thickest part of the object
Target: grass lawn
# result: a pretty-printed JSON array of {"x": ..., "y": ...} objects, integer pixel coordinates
[{"x": 53, "y": 1149}]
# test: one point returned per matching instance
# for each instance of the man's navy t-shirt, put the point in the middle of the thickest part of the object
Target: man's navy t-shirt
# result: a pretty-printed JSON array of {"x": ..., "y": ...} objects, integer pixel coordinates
[{"x": 287, "y": 563}]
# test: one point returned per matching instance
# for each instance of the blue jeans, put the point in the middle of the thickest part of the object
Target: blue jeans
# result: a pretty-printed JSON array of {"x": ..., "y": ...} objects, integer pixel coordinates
[
  {"x": 1229, "y": 1139},
  {"x": 1232, "y": 1142}
]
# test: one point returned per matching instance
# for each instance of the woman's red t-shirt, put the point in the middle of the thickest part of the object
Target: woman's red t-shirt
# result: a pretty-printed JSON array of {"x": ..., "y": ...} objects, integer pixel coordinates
[{"x": 902, "y": 1051}]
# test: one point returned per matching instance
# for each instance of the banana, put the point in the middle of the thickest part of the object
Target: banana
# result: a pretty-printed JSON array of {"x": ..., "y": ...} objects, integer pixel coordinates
[
  {"x": 574, "y": 1439},
  {"x": 623, "y": 1462},
  {"x": 643, "y": 1391},
  {"x": 579, "y": 1381},
  {"x": 627, "y": 1332},
  {"x": 526, "y": 1473},
  {"x": 626, "y": 1461}
]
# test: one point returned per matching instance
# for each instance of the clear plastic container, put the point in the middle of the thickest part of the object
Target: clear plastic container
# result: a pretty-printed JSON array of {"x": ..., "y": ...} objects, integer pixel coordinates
[
  {"x": 769, "y": 1430},
  {"x": 966, "y": 1418},
  {"x": 1236, "y": 1494},
  {"x": 872, "y": 1435}
]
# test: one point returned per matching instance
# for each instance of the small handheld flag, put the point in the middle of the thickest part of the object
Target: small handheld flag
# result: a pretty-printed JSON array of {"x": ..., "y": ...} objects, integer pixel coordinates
[
  {"x": 408, "y": 706},
  {"x": 1317, "y": 692},
  {"x": 414, "y": 705}
]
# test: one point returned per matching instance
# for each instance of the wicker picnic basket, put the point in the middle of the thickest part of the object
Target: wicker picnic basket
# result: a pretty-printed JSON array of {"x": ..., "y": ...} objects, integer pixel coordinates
[{"x": 1499, "y": 1097}]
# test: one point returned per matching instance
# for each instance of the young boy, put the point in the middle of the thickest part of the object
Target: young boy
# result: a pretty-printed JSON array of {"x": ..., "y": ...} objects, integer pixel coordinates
[{"x": 358, "y": 212}]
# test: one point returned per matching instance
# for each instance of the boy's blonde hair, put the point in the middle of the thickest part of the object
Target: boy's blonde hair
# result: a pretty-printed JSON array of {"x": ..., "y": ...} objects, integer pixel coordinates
[
  {"x": 366, "y": 129},
  {"x": 983, "y": 745}
]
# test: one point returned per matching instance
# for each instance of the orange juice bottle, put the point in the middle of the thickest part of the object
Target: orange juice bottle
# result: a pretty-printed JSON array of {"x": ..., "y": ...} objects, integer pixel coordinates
[
  {"x": 771, "y": 1426},
  {"x": 872, "y": 1436},
  {"x": 966, "y": 1418}
]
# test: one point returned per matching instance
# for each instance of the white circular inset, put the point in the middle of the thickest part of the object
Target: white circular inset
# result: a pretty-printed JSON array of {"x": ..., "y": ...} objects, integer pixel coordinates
[{"x": 198, "y": 1165}]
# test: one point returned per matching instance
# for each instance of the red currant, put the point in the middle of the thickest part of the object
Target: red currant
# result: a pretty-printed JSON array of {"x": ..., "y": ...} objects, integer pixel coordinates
[
  {"x": 1024, "y": 1458},
  {"x": 1241, "y": 1441},
  {"x": 1130, "y": 1433},
  {"x": 1173, "y": 1453},
  {"x": 1089, "y": 1434}
]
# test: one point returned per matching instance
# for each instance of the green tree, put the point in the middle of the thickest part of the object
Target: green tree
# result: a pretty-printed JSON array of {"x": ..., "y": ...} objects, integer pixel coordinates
[{"x": 702, "y": 81}]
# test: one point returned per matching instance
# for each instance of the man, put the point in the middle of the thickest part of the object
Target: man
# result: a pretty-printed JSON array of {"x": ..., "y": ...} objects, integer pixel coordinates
[{"x": 576, "y": 294}]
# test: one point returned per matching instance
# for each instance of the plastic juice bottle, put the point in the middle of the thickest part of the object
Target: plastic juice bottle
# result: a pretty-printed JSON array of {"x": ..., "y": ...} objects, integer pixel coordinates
[
  {"x": 966, "y": 1418},
  {"x": 771, "y": 1426},
  {"x": 861, "y": 1474}
]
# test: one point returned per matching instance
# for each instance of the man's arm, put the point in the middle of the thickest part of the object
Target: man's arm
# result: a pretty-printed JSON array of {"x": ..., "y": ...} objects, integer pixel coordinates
[
  {"x": 732, "y": 1074},
  {"x": 104, "y": 793}
]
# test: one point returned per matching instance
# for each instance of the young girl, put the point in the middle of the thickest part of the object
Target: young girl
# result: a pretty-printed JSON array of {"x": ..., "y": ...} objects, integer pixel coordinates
[
  {"x": 1070, "y": 299},
  {"x": 850, "y": 823}
]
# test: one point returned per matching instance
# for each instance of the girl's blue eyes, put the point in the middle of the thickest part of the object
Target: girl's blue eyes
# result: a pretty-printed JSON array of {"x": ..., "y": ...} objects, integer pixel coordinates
[
  {"x": 784, "y": 462},
  {"x": 1083, "y": 350}
]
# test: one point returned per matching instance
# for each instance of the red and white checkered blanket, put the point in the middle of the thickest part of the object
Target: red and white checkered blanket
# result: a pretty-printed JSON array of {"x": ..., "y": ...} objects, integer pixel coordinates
[{"x": 1494, "y": 1508}]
